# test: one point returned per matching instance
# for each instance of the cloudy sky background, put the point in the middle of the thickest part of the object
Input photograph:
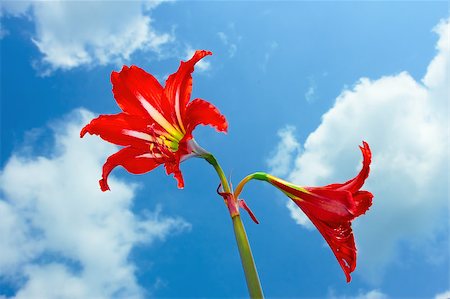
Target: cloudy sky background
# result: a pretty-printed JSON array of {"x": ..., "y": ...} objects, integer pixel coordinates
[{"x": 301, "y": 84}]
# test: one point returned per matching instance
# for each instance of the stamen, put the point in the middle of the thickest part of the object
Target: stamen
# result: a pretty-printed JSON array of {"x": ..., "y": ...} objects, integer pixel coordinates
[
  {"x": 159, "y": 118},
  {"x": 160, "y": 145}
]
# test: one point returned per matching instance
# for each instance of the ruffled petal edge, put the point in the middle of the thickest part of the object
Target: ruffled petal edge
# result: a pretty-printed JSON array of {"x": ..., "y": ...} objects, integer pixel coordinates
[{"x": 134, "y": 160}]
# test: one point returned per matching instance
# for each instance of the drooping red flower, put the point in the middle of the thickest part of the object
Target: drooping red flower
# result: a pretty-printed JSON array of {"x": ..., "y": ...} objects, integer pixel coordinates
[
  {"x": 331, "y": 209},
  {"x": 156, "y": 123}
]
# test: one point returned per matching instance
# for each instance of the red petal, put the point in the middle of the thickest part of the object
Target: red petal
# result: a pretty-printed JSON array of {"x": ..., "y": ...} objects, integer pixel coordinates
[
  {"x": 342, "y": 242},
  {"x": 174, "y": 168},
  {"x": 327, "y": 205},
  {"x": 339, "y": 236},
  {"x": 363, "y": 201},
  {"x": 136, "y": 161},
  {"x": 179, "y": 85},
  {"x": 133, "y": 80},
  {"x": 111, "y": 128},
  {"x": 357, "y": 182},
  {"x": 202, "y": 112}
]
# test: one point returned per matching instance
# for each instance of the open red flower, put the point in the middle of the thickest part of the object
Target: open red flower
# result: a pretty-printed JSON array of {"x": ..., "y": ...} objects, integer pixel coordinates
[
  {"x": 156, "y": 123},
  {"x": 331, "y": 209}
]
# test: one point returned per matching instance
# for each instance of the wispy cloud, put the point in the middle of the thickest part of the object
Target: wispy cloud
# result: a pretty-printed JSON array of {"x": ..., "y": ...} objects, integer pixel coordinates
[
  {"x": 373, "y": 294},
  {"x": 444, "y": 295},
  {"x": 226, "y": 40},
  {"x": 406, "y": 124},
  {"x": 272, "y": 46},
  {"x": 71, "y": 34},
  {"x": 280, "y": 163},
  {"x": 310, "y": 94},
  {"x": 61, "y": 236}
]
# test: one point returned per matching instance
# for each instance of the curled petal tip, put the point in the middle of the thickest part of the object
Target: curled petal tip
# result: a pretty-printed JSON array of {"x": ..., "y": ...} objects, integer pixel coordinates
[
  {"x": 179, "y": 178},
  {"x": 198, "y": 55},
  {"x": 366, "y": 150},
  {"x": 83, "y": 131},
  {"x": 103, "y": 185},
  {"x": 203, "y": 53},
  {"x": 349, "y": 278},
  {"x": 224, "y": 128}
]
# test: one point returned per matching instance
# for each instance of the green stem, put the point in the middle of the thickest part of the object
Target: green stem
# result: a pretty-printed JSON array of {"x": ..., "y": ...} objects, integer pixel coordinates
[
  {"x": 223, "y": 179},
  {"x": 257, "y": 176},
  {"x": 251, "y": 274},
  {"x": 245, "y": 252}
]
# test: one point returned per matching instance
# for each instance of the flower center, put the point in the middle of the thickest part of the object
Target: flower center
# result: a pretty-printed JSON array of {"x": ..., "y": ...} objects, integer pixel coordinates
[
  {"x": 162, "y": 143},
  {"x": 174, "y": 131}
]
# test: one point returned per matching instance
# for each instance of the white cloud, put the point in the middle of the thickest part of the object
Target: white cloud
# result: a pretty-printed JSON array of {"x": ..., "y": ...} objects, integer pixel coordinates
[
  {"x": 74, "y": 33},
  {"x": 444, "y": 295},
  {"x": 59, "y": 229},
  {"x": 201, "y": 66},
  {"x": 271, "y": 48},
  {"x": 15, "y": 8},
  {"x": 223, "y": 37},
  {"x": 373, "y": 294},
  {"x": 310, "y": 94},
  {"x": 406, "y": 124},
  {"x": 280, "y": 160},
  {"x": 232, "y": 47}
]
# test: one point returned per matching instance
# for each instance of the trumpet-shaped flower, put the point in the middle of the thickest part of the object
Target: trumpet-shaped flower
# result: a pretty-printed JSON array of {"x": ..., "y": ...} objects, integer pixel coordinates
[
  {"x": 157, "y": 122},
  {"x": 330, "y": 208}
]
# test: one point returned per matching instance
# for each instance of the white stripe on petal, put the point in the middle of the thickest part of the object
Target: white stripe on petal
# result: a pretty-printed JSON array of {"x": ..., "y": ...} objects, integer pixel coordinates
[
  {"x": 177, "y": 109},
  {"x": 150, "y": 156},
  {"x": 158, "y": 117},
  {"x": 139, "y": 135}
]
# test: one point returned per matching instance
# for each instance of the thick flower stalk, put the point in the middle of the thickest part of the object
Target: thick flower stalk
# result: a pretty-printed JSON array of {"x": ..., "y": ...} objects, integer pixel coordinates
[
  {"x": 157, "y": 122},
  {"x": 330, "y": 208}
]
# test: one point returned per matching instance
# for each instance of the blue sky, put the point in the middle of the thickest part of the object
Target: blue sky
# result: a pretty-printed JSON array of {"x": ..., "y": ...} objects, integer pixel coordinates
[{"x": 301, "y": 84}]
